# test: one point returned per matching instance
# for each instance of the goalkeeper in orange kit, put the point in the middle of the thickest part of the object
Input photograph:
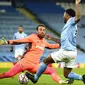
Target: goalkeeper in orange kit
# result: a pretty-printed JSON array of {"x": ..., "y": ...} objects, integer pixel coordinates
[{"x": 30, "y": 61}]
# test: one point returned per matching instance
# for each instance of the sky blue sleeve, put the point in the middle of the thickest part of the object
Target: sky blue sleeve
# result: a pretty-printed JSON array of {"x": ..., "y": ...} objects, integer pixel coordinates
[{"x": 74, "y": 22}]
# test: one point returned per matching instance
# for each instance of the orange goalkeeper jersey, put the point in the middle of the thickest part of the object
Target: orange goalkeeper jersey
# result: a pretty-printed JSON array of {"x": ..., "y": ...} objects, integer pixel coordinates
[{"x": 37, "y": 49}]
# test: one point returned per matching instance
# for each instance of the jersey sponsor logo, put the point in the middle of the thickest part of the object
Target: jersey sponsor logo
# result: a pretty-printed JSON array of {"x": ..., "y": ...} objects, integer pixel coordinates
[{"x": 37, "y": 46}]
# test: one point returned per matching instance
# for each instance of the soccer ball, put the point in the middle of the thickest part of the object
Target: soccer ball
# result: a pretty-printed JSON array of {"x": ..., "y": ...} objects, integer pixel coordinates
[{"x": 23, "y": 79}]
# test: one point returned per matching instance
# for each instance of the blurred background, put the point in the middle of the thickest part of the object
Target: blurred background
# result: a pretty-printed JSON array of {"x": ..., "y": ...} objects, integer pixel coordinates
[{"x": 31, "y": 13}]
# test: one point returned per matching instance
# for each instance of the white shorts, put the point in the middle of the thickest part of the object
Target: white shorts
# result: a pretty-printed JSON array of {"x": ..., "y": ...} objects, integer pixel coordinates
[
  {"x": 18, "y": 52},
  {"x": 65, "y": 56}
]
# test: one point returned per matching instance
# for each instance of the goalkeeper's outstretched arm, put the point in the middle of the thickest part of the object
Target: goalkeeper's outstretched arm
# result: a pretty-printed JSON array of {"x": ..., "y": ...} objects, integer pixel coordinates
[{"x": 49, "y": 37}]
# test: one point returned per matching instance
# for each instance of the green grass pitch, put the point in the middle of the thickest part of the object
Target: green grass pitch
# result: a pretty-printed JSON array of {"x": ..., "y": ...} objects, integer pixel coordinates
[{"x": 44, "y": 80}]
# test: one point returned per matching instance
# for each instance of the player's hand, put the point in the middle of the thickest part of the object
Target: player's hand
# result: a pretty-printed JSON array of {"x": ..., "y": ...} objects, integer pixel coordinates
[
  {"x": 3, "y": 41},
  {"x": 77, "y": 1},
  {"x": 48, "y": 36}
]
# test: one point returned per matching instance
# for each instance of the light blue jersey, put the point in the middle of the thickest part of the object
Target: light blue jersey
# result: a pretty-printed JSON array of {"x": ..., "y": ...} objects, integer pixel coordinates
[
  {"x": 68, "y": 35},
  {"x": 19, "y": 36}
]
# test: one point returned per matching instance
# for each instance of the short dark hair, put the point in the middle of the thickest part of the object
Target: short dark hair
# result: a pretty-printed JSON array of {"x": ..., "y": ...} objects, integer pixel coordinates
[
  {"x": 71, "y": 12},
  {"x": 20, "y": 26},
  {"x": 40, "y": 25}
]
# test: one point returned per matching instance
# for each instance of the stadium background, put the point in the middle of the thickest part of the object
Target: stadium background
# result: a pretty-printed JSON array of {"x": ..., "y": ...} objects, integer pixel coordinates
[{"x": 30, "y": 13}]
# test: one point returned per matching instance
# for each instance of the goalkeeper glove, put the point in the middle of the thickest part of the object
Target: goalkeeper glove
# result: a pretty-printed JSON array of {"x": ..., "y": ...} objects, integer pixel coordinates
[{"x": 3, "y": 41}]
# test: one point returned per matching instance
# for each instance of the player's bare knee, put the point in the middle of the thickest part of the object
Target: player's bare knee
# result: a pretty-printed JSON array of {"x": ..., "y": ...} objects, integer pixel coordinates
[
  {"x": 65, "y": 75},
  {"x": 48, "y": 60},
  {"x": 67, "y": 71}
]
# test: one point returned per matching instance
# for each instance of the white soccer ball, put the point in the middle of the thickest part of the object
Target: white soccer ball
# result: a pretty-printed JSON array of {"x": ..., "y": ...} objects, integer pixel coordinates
[{"x": 23, "y": 79}]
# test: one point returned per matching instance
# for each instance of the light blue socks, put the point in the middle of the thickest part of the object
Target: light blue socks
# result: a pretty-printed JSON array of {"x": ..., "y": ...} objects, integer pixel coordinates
[
  {"x": 74, "y": 76},
  {"x": 42, "y": 68}
]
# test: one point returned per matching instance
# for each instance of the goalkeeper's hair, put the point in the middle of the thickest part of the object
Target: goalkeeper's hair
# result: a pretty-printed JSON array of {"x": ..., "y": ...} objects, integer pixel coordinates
[{"x": 40, "y": 26}]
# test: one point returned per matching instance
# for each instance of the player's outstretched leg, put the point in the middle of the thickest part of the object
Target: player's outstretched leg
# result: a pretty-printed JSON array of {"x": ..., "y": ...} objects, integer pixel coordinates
[
  {"x": 40, "y": 71},
  {"x": 70, "y": 81},
  {"x": 50, "y": 71},
  {"x": 71, "y": 75},
  {"x": 13, "y": 71}
]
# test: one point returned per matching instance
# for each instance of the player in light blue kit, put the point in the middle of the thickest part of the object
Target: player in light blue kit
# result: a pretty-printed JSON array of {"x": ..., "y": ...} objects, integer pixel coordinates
[
  {"x": 19, "y": 49},
  {"x": 68, "y": 51}
]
